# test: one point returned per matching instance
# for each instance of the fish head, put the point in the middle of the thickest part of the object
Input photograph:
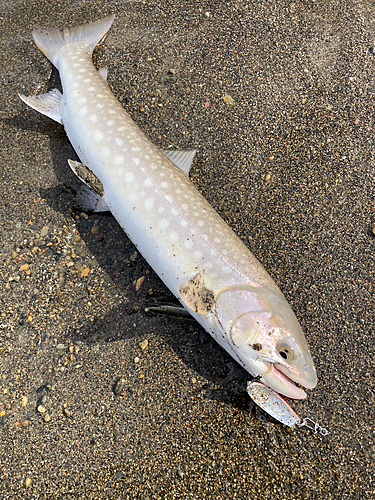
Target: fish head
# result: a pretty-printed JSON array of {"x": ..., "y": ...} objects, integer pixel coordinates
[{"x": 266, "y": 337}]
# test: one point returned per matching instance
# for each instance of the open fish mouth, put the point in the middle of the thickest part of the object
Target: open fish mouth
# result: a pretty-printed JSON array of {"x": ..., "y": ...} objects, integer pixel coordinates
[{"x": 283, "y": 384}]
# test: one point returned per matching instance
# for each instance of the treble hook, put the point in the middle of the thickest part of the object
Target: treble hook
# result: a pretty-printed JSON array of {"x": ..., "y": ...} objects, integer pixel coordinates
[{"x": 306, "y": 422}]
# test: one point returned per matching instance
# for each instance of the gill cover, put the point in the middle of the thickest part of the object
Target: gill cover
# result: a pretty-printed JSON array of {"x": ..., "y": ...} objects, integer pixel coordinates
[{"x": 263, "y": 328}]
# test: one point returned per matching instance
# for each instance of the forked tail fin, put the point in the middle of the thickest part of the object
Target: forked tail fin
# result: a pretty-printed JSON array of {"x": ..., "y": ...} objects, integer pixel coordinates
[{"x": 50, "y": 42}]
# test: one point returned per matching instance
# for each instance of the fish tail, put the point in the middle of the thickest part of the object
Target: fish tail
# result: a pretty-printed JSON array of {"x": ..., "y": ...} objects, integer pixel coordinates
[{"x": 50, "y": 42}]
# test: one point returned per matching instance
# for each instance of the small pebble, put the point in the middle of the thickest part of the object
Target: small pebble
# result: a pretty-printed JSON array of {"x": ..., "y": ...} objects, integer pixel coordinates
[
  {"x": 138, "y": 283},
  {"x": 120, "y": 386},
  {"x": 66, "y": 412},
  {"x": 134, "y": 256},
  {"x": 24, "y": 267},
  {"x": 95, "y": 229},
  {"x": 47, "y": 417},
  {"x": 228, "y": 99},
  {"x": 143, "y": 345},
  {"x": 28, "y": 482},
  {"x": 41, "y": 409},
  {"x": 136, "y": 360},
  {"x": 44, "y": 231}
]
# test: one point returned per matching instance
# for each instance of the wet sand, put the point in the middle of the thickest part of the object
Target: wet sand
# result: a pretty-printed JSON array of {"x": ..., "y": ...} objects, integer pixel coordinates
[{"x": 278, "y": 97}]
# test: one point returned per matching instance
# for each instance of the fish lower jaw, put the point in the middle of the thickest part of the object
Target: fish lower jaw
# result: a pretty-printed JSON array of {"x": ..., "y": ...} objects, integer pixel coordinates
[{"x": 282, "y": 384}]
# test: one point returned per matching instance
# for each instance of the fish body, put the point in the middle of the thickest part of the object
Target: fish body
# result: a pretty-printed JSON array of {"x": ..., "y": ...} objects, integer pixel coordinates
[{"x": 205, "y": 265}]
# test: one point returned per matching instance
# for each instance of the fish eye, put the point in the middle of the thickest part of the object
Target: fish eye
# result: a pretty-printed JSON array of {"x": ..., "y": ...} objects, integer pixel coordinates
[{"x": 286, "y": 350}]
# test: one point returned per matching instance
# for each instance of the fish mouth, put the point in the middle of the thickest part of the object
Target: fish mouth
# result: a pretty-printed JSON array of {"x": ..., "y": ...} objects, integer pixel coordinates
[{"x": 281, "y": 383}]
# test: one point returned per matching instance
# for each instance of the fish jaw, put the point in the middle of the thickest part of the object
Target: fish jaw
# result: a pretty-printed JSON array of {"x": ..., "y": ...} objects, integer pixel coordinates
[{"x": 266, "y": 337}]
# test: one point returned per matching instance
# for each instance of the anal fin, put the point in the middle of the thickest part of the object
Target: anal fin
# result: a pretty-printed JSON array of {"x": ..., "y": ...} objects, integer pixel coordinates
[{"x": 47, "y": 104}]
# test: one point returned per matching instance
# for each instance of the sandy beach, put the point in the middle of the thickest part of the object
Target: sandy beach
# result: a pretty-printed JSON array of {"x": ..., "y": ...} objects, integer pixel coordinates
[{"x": 101, "y": 398}]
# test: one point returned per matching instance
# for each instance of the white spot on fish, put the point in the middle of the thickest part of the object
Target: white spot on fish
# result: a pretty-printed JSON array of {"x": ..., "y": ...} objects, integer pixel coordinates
[
  {"x": 105, "y": 152},
  {"x": 136, "y": 148},
  {"x": 82, "y": 111},
  {"x": 188, "y": 244},
  {"x": 164, "y": 184},
  {"x": 98, "y": 135},
  {"x": 129, "y": 177},
  {"x": 119, "y": 159},
  {"x": 136, "y": 160},
  {"x": 90, "y": 88},
  {"x": 161, "y": 210},
  {"x": 183, "y": 222},
  {"x": 163, "y": 223},
  {"x": 93, "y": 118},
  {"x": 173, "y": 235},
  {"x": 197, "y": 254},
  {"x": 82, "y": 100},
  {"x": 76, "y": 65},
  {"x": 120, "y": 129},
  {"x": 119, "y": 141},
  {"x": 110, "y": 122},
  {"x": 200, "y": 223},
  {"x": 82, "y": 70},
  {"x": 75, "y": 84},
  {"x": 87, "y": 80},
  {"x": 149, "y": 203},
  {"x": 148, "y": 182},
  {"x": 100, "y": 105}
]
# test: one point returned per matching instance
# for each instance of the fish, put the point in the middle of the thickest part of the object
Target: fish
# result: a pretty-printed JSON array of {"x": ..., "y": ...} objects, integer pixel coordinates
[{"x": 197, "y": 255}]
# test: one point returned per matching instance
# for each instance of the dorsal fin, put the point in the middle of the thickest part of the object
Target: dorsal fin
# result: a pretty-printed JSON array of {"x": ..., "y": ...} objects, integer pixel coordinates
[{"x": 182, "y": 158}]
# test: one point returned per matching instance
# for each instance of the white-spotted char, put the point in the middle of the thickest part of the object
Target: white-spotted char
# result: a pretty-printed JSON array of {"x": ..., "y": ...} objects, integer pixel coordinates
[{"x": 207, "y": 267}]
